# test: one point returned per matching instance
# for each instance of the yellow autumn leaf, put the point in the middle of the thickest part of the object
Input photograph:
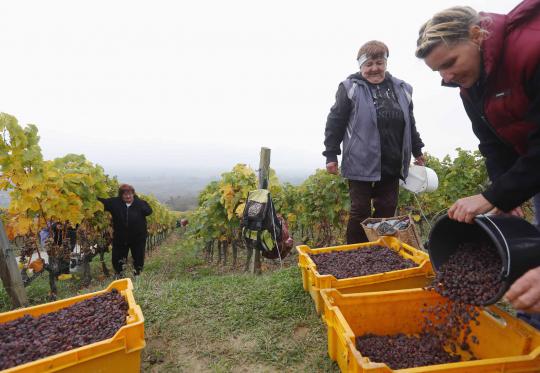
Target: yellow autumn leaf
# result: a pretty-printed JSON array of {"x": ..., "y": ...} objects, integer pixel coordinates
[
  {"x": 30, "y": 181},
  {"x": 65, "y": 276},
  {"x": 243, "y": 169},
  {"x": 227, "y": 191},
  {"x": 19, "y": 225},
  {"x": 291, "y": 218},
  {"x": 4, "y": 183},
  {"x": 51, "y": 173},
  {"x": 240, "y": 209}
]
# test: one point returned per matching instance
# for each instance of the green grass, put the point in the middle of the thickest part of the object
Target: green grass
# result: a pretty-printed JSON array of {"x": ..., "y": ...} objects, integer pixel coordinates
[
  {"x": 228, "y": 321},
  {"x": 202, "y": 318}
]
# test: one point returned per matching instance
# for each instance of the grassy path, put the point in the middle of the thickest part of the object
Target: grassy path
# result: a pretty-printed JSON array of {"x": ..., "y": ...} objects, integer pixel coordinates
[{"x": 200, "y": 320}]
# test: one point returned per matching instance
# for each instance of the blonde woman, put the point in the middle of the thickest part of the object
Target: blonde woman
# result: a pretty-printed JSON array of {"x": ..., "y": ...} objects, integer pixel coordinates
[
  {"x": 373, "y": 117},
  {"x": 494, "y": 59}
]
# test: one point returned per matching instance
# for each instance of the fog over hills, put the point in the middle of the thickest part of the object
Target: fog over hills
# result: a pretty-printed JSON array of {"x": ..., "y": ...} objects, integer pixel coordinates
[{"x": 180, "y": 188}]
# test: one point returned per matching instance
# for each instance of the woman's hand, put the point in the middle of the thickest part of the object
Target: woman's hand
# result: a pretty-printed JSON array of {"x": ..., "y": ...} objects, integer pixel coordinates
[
  {"x": 514, "y": 212},
  {"x": 332, "y": 167},
  {"x": 420, "y": 160},
  {"x": 465, "y": 209},
  {"x": 524, "y": 294}
]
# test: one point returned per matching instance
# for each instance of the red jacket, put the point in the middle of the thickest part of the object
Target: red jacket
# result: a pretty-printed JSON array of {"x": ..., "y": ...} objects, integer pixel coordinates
[
  {"x": 511, "y": 56},
  {"x": 504, "y": 106}
]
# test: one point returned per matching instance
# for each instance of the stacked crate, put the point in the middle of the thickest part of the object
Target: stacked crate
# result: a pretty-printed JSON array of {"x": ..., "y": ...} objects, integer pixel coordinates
[{"x": 391, "y": 302}]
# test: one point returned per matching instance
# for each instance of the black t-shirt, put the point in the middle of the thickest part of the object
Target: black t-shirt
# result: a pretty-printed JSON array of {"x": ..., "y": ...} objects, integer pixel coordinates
[{"x": 391, "y": 123}]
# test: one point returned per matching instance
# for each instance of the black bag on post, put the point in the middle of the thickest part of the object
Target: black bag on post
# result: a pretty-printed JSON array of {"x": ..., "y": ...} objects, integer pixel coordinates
[{"x": 267, "y": 231}]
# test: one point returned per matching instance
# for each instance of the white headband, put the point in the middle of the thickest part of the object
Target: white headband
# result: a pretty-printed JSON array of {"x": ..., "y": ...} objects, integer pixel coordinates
[{"x": 363, "y": 58}]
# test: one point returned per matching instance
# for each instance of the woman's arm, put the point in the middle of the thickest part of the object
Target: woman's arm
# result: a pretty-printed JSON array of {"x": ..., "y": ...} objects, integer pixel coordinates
[
  {"x": 416, "y": 141},
  {"x": 107, "y": 203},
  {"x": 145, "y": 207},
  {"x": 522, "y": 180},
  {"x": 336, "y": 124},
  {"x": 514, "y": 179},
  {"x": 524, "y": 294}
]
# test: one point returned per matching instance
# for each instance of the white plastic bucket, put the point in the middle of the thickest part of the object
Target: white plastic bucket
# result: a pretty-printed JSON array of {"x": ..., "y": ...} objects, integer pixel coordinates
[{"x": 421, "y": 179}]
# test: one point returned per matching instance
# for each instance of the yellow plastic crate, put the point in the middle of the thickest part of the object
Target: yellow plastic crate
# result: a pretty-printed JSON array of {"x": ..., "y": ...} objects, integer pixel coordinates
[
  {"x": 506, "y": 343},
  {"x": 314, "y": 282},
  {"x": 121, "y": 353}
]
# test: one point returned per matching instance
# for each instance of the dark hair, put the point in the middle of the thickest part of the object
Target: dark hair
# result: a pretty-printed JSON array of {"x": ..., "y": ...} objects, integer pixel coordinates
[
  {"x": 125, "y": 188},
  {"x": 373, "y": 49}
]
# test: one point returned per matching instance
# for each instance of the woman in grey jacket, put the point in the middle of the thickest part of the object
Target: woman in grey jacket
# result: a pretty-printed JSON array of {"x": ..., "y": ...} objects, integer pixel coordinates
[{"x": 373, "y": 117}]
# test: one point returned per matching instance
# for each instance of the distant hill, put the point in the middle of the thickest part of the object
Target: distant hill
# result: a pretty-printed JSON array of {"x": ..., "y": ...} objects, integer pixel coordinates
[
  {"x": 164, "y": 187},
  {"x": 179, "y": 189}
]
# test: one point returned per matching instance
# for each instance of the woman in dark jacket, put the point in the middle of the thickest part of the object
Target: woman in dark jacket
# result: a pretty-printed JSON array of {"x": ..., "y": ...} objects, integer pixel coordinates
[
  {"x": 373, "y": 117},
  {"x": 495, "y": 61},
  {"x": 129, "y": 214}
]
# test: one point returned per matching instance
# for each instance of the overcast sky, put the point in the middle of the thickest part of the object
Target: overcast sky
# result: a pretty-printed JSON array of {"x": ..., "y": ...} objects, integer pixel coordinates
[{"x": 205, "y": 84}]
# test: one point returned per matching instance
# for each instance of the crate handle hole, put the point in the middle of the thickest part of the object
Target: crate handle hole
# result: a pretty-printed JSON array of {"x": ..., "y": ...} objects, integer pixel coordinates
[{"x": 407, "y": 251}]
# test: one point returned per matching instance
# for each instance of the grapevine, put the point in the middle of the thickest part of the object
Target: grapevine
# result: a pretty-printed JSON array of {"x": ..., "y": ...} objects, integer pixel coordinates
[
  {"x": 60, "y": 194},
  {"x": 317, "y": 209}
]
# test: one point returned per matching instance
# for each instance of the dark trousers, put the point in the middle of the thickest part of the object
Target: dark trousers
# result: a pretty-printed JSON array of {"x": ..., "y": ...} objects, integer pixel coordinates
[
  {"x": 383, "y": 194},
  {"x": 120, "y": 252}
]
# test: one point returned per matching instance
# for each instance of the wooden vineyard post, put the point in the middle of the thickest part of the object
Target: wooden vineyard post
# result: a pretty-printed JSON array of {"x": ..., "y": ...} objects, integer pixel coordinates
[
  {"x": 264, "y": 176},
  {"x": 9, "y": 272}
]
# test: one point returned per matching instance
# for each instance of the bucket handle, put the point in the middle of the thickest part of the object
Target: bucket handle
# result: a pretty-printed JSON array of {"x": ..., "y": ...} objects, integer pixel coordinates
[
  {"x": 496, "y": 316},
  {"x": 507, "y": 269}
]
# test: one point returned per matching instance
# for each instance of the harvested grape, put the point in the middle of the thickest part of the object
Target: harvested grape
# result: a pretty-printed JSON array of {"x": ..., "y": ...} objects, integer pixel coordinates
[
  {"x": 470, "y": 278},
  {"x": 471, "y": 275},
  {"x": 400, "y": 351},
  {"x": 361, "y": 262},
  {"x": 91, "y": 320}
]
